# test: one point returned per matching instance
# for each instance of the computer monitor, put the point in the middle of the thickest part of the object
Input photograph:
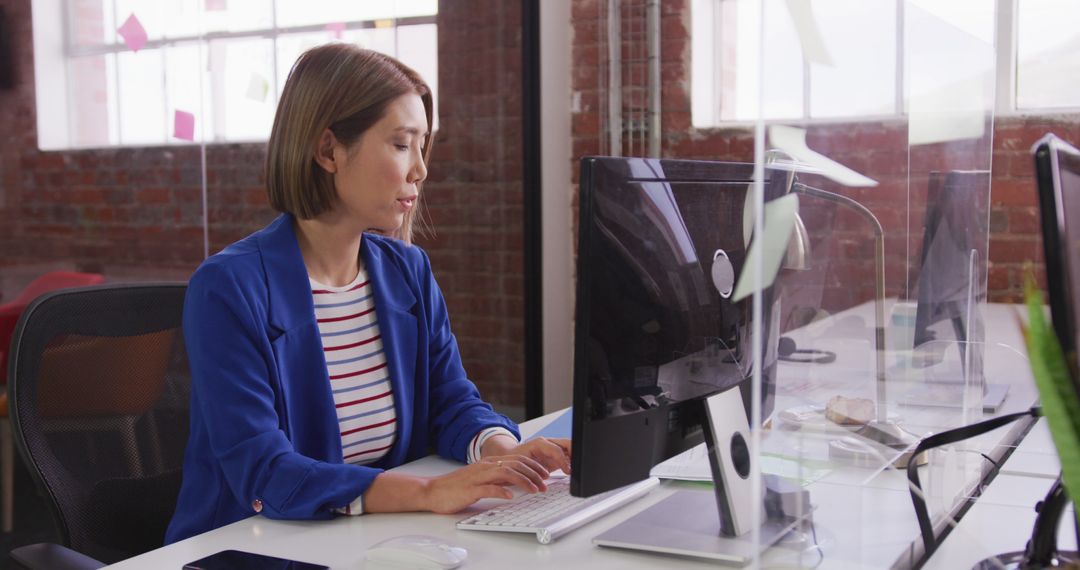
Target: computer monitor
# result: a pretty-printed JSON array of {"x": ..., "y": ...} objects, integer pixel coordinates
[
  {"x": 1057, "y": 170},
  {"x": 951, "y": 281},
  {"x": 660, "y": 244}
]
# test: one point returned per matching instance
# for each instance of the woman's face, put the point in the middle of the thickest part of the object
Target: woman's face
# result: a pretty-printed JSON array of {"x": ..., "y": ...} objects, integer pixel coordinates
[{"x": 377, "y": 177}]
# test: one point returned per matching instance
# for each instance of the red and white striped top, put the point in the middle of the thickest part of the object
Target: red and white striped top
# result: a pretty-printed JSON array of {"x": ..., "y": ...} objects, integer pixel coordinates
[
  {"x": 360, "y": 378},
  {"x": 356, "y": 363}
]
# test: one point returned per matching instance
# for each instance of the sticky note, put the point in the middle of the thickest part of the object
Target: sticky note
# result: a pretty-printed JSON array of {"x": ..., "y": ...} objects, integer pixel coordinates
[
  {"x": 184, "y": 125},
  {"x": 216, "y": 5},
  {"x": 813, "y": 43},
  {"x": 384, "y": 24},
  {"x": 336, "y": 29},
  {"x": 133, "y": 33},
  {"x": 258, "y": 87},
  {"x": 770, "y": 247},
  {"x": 792, "y": 140}
]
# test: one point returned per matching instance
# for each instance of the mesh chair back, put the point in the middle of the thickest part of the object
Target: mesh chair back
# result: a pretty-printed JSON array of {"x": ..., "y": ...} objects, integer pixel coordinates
[{"x": 99, "y": 398}]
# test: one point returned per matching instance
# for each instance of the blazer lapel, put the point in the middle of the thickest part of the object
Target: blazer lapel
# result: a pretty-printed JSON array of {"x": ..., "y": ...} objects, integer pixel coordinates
[
  {"x": 310, "y": 416},
  {"x": 395, "y": 304}
]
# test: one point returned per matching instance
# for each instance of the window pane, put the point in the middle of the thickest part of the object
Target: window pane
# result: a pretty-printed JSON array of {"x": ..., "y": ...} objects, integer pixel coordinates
[
  {"x": 730, "y": 81},
  {"x": 91, "y": 22},
  {"x": 1048, "y": 54},
  {"x": 242, "y": 89},
  {"x": 184, "y": 66},
  {"x": 418, "y": 47},
  {"x": 289, "y": 48},
  {"x": 860, "y": 36},
  {"x": 238, "y": 16},
  {"x": 300, "y": 12},
  {"x": 90, "y": 79},
  {"x": 782, "y": 63},
  {"x": 141, "y": 97}
]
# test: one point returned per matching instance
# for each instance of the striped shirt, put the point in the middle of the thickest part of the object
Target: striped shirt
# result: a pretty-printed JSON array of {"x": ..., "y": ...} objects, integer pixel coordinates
[
  {"x": 360, "y": 377},
  {"x": 356, "y": 364}
]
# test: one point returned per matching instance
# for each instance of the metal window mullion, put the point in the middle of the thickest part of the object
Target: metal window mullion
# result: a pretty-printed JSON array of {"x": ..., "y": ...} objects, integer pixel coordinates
[
  {"x": 1006, "y": 30},
  {"x": 615, "y": 77},
  {"x": 155, "y": 44},
  {"x": 119, "y": 97},
  {"x": 901, "y": 85}
]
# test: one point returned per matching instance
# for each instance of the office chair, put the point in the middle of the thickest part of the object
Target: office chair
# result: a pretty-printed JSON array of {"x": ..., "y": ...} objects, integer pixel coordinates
[
  {"x": 99, "y": 397},
  {"x": 9, "y": 315}
]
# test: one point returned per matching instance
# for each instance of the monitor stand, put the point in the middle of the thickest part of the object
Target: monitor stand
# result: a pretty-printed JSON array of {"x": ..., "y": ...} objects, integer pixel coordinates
[
  {"x": 687, "y": 523},
  {"x": 718, "y": 526}
]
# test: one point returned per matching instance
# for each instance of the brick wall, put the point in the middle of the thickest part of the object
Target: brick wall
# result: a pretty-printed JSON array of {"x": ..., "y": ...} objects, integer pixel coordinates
[
  {"x": 137, "y": 213},
  {"x": 841, "y": 272}
]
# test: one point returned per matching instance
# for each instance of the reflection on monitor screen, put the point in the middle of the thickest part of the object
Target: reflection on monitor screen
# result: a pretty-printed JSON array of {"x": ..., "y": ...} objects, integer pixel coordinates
[{"x": 655, "y": 330}]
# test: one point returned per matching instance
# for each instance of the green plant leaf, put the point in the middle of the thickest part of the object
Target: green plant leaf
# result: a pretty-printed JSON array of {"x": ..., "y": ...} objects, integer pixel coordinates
[{"x": 1057, "y": 392}]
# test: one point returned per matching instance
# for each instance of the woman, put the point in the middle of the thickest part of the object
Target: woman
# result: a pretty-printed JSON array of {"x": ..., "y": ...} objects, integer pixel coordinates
[{"x": 320, "y": 346}]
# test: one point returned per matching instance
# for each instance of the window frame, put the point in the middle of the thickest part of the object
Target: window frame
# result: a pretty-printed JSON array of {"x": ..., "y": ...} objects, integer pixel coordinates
[
  {"x": 1005, "y": 99},
  {"x": 56, "y": 16}
]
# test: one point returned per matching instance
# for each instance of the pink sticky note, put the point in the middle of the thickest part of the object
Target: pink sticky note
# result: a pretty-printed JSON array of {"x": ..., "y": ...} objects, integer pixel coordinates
[
  {"x": 184, "y": 125},
  {"x": 215, "y": 5},
  {"x": 133, "y": 33},
  {"x": 336, "y": 29}
]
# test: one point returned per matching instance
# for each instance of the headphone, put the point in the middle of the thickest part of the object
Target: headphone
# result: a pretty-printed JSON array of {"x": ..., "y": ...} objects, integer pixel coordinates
[{"x": 789, "y": 352}]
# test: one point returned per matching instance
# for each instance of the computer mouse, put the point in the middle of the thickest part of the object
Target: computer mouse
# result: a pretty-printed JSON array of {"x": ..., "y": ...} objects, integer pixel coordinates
[{"x": 417, "y": 551}]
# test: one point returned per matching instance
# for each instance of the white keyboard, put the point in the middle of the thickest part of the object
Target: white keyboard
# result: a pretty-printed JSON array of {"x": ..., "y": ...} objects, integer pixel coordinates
[{"x": 555, "y": 512}]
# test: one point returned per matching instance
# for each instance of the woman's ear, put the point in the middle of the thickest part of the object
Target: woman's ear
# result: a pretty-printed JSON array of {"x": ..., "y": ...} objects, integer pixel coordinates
[{"x": 324, "y": 151}]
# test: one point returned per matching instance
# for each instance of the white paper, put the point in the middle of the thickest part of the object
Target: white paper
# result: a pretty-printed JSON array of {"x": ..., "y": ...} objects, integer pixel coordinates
[
  {"x": 792, "y": 140},
  {"x": 813, "y": 44},
  {"x": 779, "y": 222}
]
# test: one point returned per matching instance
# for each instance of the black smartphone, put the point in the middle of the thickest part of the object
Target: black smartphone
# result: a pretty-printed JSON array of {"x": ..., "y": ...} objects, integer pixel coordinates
[{"x": 238, "y": 560}]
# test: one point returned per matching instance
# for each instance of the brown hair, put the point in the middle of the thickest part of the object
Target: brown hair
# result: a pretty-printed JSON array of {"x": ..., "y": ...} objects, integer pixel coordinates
[{"x": 344, "y": 88}]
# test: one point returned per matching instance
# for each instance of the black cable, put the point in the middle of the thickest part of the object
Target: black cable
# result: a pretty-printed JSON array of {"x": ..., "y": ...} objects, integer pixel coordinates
[
  {"x": 926, "y": 529},
  {"x": 788, "y": 351}
]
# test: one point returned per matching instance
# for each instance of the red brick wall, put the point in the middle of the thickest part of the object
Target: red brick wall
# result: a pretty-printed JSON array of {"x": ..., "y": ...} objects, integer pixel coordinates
[
  {"x": 137, "y": 213},
  {"x": 842, "y": 269}
]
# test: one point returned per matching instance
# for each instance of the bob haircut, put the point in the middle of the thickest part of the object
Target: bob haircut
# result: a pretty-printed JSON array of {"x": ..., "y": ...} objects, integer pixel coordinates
[{"x": 344, "y": 88}]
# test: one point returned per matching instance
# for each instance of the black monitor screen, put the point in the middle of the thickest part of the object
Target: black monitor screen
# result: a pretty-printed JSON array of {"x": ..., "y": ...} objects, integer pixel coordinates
[
  {"x": 655, "y": 331},
  {"x": 1057, "y": 168},
  {"x": 951, "y": 280}
]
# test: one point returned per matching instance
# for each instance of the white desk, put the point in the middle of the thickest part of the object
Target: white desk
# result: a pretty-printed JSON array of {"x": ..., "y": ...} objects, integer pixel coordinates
[
  {"x": 864, "y": 518},
  {"x": 1001, "y": 520}
]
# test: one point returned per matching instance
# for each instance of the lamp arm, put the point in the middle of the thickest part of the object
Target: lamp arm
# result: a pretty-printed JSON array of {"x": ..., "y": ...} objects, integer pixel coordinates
[{"x": 879, "y": 282}]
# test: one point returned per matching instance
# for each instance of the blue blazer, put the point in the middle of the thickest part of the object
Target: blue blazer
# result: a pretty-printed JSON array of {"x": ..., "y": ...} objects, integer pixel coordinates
[{"x": 264, "y": 430}]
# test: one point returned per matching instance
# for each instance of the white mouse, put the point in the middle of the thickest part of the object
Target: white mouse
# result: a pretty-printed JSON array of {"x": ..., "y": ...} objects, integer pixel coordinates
[{"x": 417, "y": 551}]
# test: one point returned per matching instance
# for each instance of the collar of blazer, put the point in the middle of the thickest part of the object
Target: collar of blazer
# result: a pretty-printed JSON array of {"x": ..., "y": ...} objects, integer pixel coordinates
[{"x": 290, "y": 302}]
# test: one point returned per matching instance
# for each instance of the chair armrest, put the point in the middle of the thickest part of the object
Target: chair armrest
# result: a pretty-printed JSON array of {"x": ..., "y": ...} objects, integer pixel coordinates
[{"x": 48, "y": 556}]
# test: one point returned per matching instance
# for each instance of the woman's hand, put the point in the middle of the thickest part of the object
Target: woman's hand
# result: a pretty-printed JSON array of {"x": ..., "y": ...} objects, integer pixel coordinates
[
  {"x": 552, "y": 453},
  {"x": 489, "y": 477}
]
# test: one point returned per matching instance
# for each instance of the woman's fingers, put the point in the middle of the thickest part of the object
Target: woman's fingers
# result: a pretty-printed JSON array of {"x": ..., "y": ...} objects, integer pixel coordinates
[
  {"x": 492, "y": 492},
  {"x": 553, "y": 453},
  {"x": 516, "y": 472}
]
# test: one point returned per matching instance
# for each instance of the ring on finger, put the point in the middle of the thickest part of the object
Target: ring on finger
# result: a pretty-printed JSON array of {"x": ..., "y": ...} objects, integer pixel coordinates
[{"x": 498, "y": 463}]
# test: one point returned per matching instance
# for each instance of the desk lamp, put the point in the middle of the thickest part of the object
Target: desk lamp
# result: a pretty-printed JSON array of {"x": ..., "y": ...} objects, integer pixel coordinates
[{"x": 880, "y": 429}]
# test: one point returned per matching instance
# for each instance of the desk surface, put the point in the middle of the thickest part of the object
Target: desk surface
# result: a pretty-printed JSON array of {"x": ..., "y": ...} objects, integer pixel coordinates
[{"x": 864, "y": 516}]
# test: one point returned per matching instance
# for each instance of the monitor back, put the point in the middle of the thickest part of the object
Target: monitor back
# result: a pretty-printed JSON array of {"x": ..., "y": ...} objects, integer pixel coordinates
[
  {"x": 952, "y": 280},
  {"x": 1057, "y": 170},
  {"x": 655, "y": 331}
]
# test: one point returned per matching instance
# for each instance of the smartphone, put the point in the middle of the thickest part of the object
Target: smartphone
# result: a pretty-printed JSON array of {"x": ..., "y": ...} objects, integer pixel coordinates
[{"x": 238, "y": 560}]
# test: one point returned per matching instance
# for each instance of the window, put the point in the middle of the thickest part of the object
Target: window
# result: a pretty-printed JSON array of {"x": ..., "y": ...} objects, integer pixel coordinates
[
  {"x": 879, "y": 58},
  {"x": 135, "y": 72}
]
